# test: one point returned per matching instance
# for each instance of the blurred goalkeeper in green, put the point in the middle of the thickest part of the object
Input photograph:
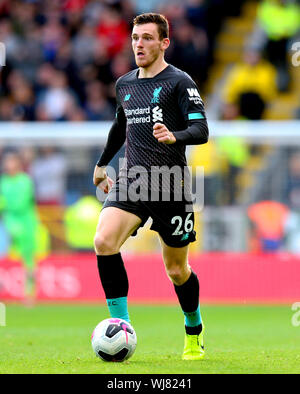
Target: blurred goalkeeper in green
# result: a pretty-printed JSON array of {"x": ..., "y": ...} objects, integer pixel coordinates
[{"x": 17, "y": 205}]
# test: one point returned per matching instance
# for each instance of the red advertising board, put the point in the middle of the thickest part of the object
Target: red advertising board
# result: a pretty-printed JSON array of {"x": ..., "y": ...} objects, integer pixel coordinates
[{"x": 224, "y": 277}]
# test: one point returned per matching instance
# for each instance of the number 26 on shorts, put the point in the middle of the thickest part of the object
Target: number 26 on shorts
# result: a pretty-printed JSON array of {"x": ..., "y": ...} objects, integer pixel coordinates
[{"x": 188, "y": 224}]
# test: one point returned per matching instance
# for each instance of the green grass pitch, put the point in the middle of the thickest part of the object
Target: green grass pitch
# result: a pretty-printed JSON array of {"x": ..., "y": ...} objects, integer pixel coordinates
[{"x": 239, "y": 339}]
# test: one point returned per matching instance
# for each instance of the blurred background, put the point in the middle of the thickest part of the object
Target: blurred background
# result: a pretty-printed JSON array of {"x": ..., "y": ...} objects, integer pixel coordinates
[{"x": 57, "y": 101}]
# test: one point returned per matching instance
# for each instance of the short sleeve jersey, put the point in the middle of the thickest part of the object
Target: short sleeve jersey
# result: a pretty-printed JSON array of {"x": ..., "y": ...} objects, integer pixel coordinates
[{"x": 171, "y": 98}]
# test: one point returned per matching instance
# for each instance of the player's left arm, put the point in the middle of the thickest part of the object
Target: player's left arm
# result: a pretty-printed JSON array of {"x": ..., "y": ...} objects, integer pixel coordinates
[{"x": 192, "y": 109}]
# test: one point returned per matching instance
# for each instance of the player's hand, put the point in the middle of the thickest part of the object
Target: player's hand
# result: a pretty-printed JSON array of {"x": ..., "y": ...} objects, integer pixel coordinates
[
  {"x": 99, "y": 175},
  {"x": 101, "y": 179},
  {"x": 162, "y": 134},
  {"x": 106, "y": 184}
]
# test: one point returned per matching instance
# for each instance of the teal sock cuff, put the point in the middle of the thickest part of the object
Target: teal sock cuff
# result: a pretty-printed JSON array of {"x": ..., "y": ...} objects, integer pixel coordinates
[
  {"x": 118, "y": 308},
  {"x": 193, "y": 319}
]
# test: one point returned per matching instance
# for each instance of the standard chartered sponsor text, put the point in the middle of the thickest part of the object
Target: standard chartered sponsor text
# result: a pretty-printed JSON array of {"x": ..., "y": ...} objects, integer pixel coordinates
[{"x": 139, "y": 119}]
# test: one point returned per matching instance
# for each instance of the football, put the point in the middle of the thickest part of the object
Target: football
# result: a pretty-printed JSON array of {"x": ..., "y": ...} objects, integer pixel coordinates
[{"x": 114, "y": 340}]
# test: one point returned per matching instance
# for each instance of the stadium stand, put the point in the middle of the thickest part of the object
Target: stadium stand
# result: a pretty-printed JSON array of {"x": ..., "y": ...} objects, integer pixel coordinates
[{"x": 63, "y": 58}]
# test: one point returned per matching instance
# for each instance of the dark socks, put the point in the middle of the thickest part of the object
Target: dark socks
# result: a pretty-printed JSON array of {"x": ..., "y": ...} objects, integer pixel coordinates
[
  {"x": 114, "y": 280},
  {"x": 113, "y": 275},
  {"x": 188, "y": 296}
]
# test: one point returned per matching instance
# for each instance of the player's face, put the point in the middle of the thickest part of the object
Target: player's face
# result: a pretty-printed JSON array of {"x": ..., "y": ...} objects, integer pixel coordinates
[
  {"x": 11, "y": 165},
  {"x": 146, "y": 44}
]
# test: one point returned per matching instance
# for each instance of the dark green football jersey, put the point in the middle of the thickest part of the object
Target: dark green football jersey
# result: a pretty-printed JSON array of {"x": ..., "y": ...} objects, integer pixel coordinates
[{"x": 171, "y": 98}]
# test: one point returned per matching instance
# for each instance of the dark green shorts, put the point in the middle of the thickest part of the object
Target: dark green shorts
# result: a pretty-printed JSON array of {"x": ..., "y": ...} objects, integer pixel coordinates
[{"x": 173, "y": 220}]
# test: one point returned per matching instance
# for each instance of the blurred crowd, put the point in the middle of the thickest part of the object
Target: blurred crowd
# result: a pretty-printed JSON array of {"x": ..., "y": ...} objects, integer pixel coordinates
[
  {"x": 265, "y": 68},
  {"x": 64, "y": 56}
]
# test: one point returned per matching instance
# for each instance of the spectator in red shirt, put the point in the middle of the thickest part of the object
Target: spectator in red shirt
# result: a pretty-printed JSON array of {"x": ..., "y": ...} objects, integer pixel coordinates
[{"x": 113, "y": 31}]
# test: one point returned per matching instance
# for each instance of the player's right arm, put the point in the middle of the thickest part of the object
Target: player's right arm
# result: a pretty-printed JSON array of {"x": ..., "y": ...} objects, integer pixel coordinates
[{"x": 115, "y": 140}]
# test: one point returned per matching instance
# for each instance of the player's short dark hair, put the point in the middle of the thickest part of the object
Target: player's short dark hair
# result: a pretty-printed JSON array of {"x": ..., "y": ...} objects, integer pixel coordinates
[{"x": 159, "y": 19}]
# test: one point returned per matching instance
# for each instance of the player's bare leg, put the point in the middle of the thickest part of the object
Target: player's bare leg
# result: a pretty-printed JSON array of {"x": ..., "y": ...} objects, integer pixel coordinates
[
  {"x": 187, "y": 289},
  {"x": 114, "y": 227},
  {"x": 176, "y": 263}
]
